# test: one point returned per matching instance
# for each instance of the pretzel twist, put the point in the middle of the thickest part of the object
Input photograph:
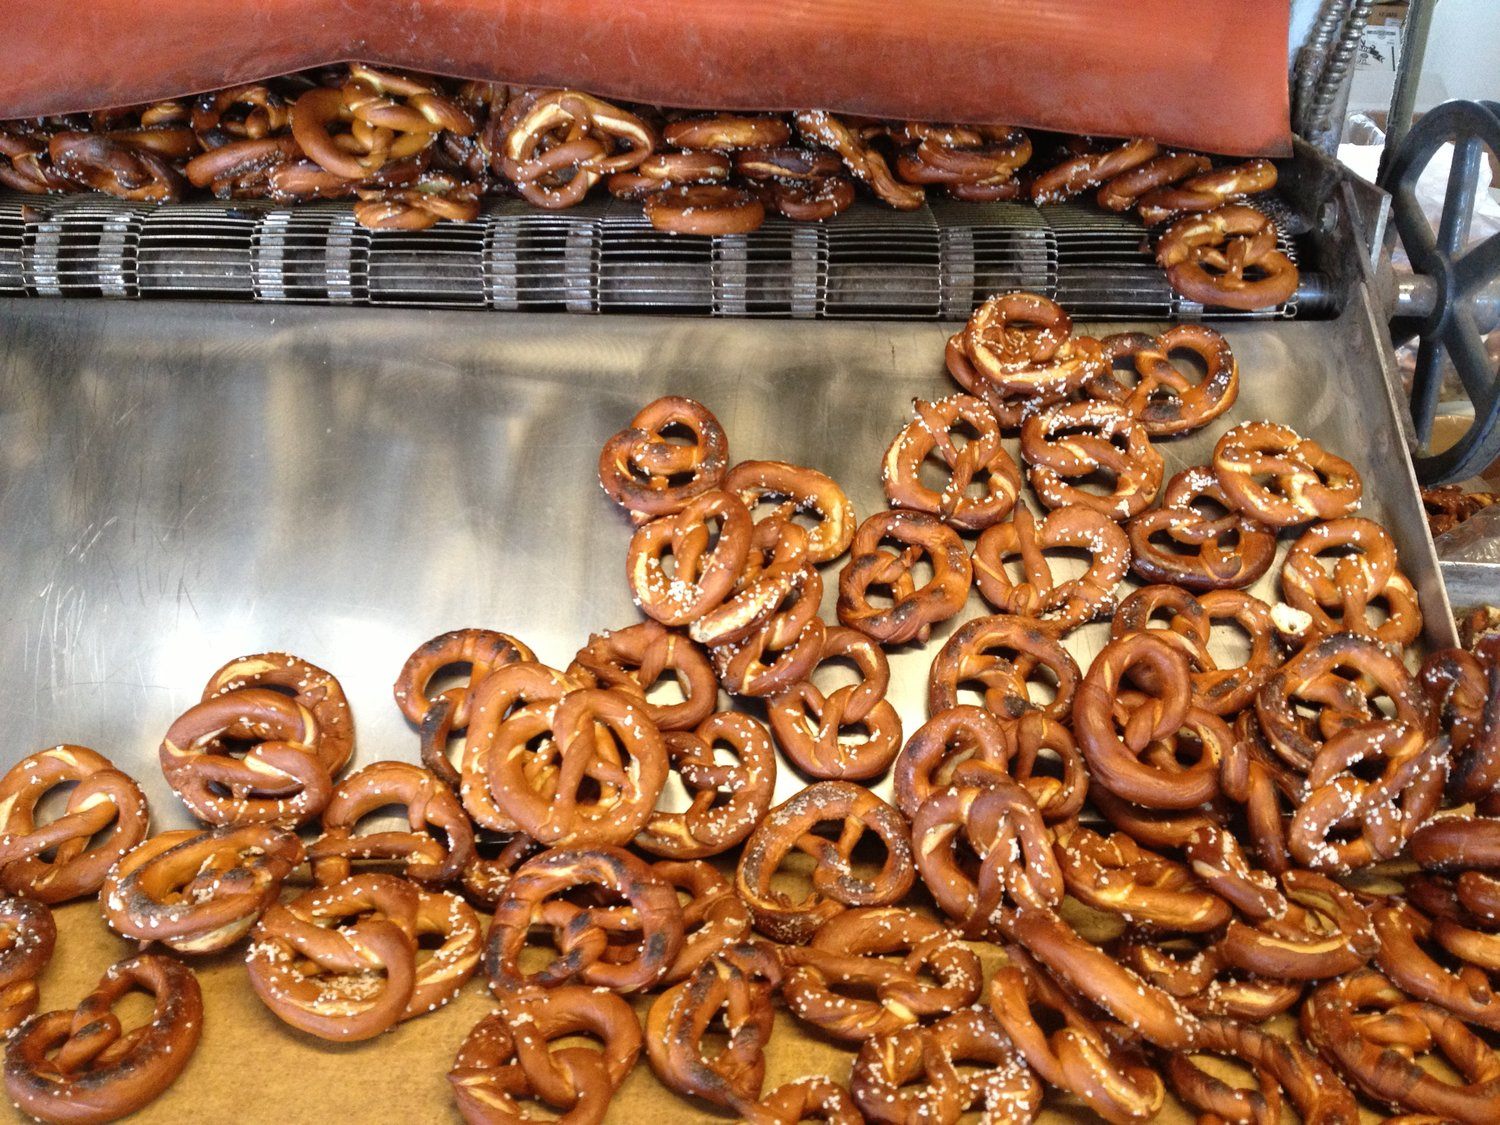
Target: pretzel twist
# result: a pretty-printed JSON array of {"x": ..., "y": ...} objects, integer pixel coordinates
[
  {"x": 774, "y": 567},
  {"x": 1022, "y": 344},
  {"x": 1039, "y": 594},
  {"x": 638, "y": 464},
  {"x": 781, "y": 652},
  {"x": 852, "y": 733},
  {"x": 726, "y": 801},
  {"x": 794, "y": 490},
  {"x": 1125, "y": 190},
  {"x": 1207, "y": 190},
  {"x": 914, "y": 609},
  {"x": 712, "y": 916},
  {"x": 865, "y": 163},
  {"x": 1182, "y": 544},
  {"x": 1227, "y": 258},
  {"x": 1163, "y": 397},
  {"x": 1415, "y": 953},
  {"x": 116, "y": 167},
  {"x": 1335, "y": 588},
  {"x": 1463, "y": 694},
  {"x": 1087, "y": 170},
  {"x": 1073, "y": 441},
  {"x": 1149, "y": 891},
  {"x": 635, "y": 659},
  {"x": 705, "y": 568},
  {"x": 704, "y": 209},
  {"x": 813, "y": 1098},
  {"x": 309, "y": 685},
  {"x": 980, "y": 462},
  {"x": 1001, "y": 655},
  {"x": 724, "y": 132},
  {"x": 27, "y": 937}
]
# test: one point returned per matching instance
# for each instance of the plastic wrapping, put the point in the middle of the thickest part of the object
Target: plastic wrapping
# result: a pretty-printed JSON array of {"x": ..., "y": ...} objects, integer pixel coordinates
[
  {"x": 1476, "y": 540},
  {"x": 1208, "y": 74}
]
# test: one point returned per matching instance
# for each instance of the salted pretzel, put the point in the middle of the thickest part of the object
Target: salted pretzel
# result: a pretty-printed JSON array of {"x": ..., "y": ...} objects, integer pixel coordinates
[
  {"x": 559, "y": 143},
  {"x": 355, "y": 129},
  {"x": 580, "y": 933},
  {"x": 507, "y": 1059},
  {"x": 1227, "y": 258},
  {"x": 1415, "y": 952},
  {"x": 1125, "y": 190},
  {"x": 1010, "y": 408},
  {"x": 873, "y": 566},
  {"x": 794, "y": 490},
  {"x": 435, "y": 197},
  {"x": 1001, "y": 655},
  {"x": 936, "y": 1073},
  {"x": 773, "y": 572},
  {"x": 241, "y": 169},
  {"x": 705, "y": 563},
  {"x": 813, "y": 1098},
  {"x": 311, "y": 687},
  {"x": 1165, "y": 399},
  {"x": 814, "y": 201},
  {"x": 642, "y": 467},
  {"x": 1085, "y": 171},
  {"x": 853, "y": 732},
  {"x": 846, "y": 983},
  {"x": 198, "y": 892},
  {"x": 635, "y": 659},
  {"x": 1023, "y": 344},
  {"x": 1197, "y": 540},
  {"x": 1447, "y": 505},
  {"x": 82, "y": 1066},
  {"x": 980, "y": 462},
  {"x": 1189, "y": 622},
  {"x": 115, "y": 167},
  {"x": 1463, "y": 695},
  {"x": 667, "y": 169},
  {"x": 1069, "y": 442},
  {"x": 704, "y": 209},
  {"x": 60, "y": 859},
  {"x": 1062, "y": 604},
  {"x": 724, "y": 132},
  {"x": 977, "y": 163},
  {"x": 1191, "y": 970},
  {"x": 1336, "y": 569},
  {"x": 713, "y": 917},
  {"x": 865, "y": 163},
  {"x": 248, "y": 112},
  {"x": 726, "y": 801},
  {"x": 27, "y": 937},
  {"x": 26, "y": 162},
  {"x": 1207, "y": 190},
  {"x": 786, "y": 164},
  {"x": 1306, "y": 481},
  {"x": 1149, "y": 891},
  {"x": 781, "y": 652},
  {"x": 791, "y": 826},
  {"x": 737, "y": 984}
]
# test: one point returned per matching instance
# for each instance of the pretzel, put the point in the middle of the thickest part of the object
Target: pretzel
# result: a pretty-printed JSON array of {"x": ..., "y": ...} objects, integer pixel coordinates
[
  {"x": 1464, "y": 696},
  {"x": 577, "y": 931},
  {"x": 1227, "y": 258},
  {"x": 1183, "y": 545},
  {"x": 198, "y": 892},
  {"x": 558, "y": 131},
  {"x": 774, "y": 566},
  {"x": 1022, "y": 343},
  {"x": 794, "y": 490},
  {"x": 1087, "y": 170},
  {"x": 712, "y": 917},
  {"x": 635, "y": 659},
  {"x": 59, "y": 860},
  {"x": 976, "y": 163},
  {"x": 887, "y": 1068},
  {"x": 1447, "y": 505},
  {"x": 78, "y": 1067},
  {"x": 936, "y": 975},
  {"x": 704, "y": 209},
  {"x": 249, "y": 112},
  {"x": 577, "y": 1081},
  {"x": 1076, "y": 1057},
  {"x": 725, "y": 132},
  {"x": 312, "y": 687},
  {"x": 1164, "y": 398},
  {"x": 813, "y": 1098},
  {"x": 814, "y": 201},
  {"x": 914, "y": 609},
  {"x": 981, "y": 461},
  {"x": 1150, "y": 892},
  {"x": 726, "y": 801},
  {"x": 1207, "y": 190},
  {"x": 1335, "y": 588},
  {"x": 1125, "y": 190},
  {"x": 835, "y": 885},
  {"x": 818, "y": 126},
  {"x": 703, "y": 575},
  {"x": 27, "y": 937},
  {"x": 1002, "y": 655},
  {"x": 496, "y": 857},
  {"x": 1371, "y": 1031},
  {"x": 1189, "y": 628},
  {"x": 27, "y": 161},
  {"x": 737, "y": 982},
  {"x": 852, "y": 733},
  {"x": 1061, "y": 604},
  {"x": 379, "y": 128},
  {"x": 786, "y": 164},
  {"x": 298, "y": 181},
  {"x": 662, "y": 169},
  {"x": 1193, "y": 972},
  {"x": 434, "y": 198},
  {"x": 781, "y": 652},
  {"x": 1010, "y": 408},
  {"x": 639, "y": 467},
  {"x": 1406, "y": 936},
  {"x": 115, "y": 167},
  {"x": 1076, "y": 440}
]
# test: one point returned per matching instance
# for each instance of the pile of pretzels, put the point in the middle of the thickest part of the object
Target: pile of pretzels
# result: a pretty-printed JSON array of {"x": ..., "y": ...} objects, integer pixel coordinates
[
  {"x": 414, "y": 150},
  {"x": 1088, "y": 880}
]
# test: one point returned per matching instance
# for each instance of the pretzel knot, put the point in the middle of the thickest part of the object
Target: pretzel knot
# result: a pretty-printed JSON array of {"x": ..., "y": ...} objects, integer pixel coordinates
[
  {"x": 813, "y": 1098},
  {"x": 1149, "y": 891},
  {"x": 873, "y": 566},
  {"x": 636, "y": 659},
  {"x": 311, "y": 687},
  {"x": 642, "y": 468},
  {"x": 508, "y": 1056},
  {"x": 1164, "y": 398},
  {"x": 27, "y": 936},
  {"x": 864, "y": 161},
  {"x": 1207, "y": 190},
  {"x": 778, "y": 654},
  {"x": 1071, "y": 442},
  {"x": 664, "y": 169},
  {"x": 936, "y": 975},
  {"x": 198, "y": 892},
  {"x": 972, "y": 162},
  {"x": 724, "y": 132},
  {"x": 433, "y": 198},
  {"x": 852, "y": 733},
  {"x": 835, "y": 885},
  {"x": 1085, "y": 171},
  {"x": 794, "y": 490},
  {"x": 116, "y": 167},
  {"x": 979, "y": 461},
  {"x": 705, "y": 563},
  {"x": 559, "y": 143},
  {"x": 250, "y": 112},
  {"x": 1416, "y": 952},
  {"x": 1062, "y": 604},
  {"x": 1227, "y": 258},
  {"x": 726, "y": 800},
  {"x": 1183, "y": 543},
  {"x": 1337, "y": 569},
  {"x": 1284, "y": 1072},
  {"x": 1021, "y": 344},
  {"x": 26, "y": 162},
  {"x": 1001, "y": 655},
  {"x": 774, "y": 569},
  {"x": 1463, "y": 694},
  {"x": 1122, "y": 192},
  {"x": 713, "y": 917}
]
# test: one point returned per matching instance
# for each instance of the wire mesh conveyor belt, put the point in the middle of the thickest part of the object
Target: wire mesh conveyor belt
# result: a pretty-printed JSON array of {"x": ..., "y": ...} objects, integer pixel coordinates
[{"x": 939, "y": 262}]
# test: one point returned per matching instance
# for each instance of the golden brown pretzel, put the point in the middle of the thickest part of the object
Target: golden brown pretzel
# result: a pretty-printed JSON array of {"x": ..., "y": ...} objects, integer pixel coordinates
[
  {"x": 1306, "y": 481},
  {"x": 813, "y": 1098},
  {"x": 665, "y": 169},
  {"x": 1227, "y": 258},
  {"x": 27, "y": 937},
  {"x": 1061, "y": 604},
  {"x": 1071, "y": 442},
  {"x": 198, "y": 892},
  {"x": 726, "y": 801},
  {"x": 713, "y": 917},
  {"x": 781, "y": 652},
  {"x": 312, "y": 687},
  {"x": 81, "y": 1067},
  {"x": 638, "y": 465},
  {"x": 1151, "y": 892},
  {"x": 981, "y": 460},
  {"x": 977, "y": 163},
  {"x": 1336, "y": 569},
  {"x": 817, "y": 126},
  {"x": 1185, "y": 545},
  {"x": 1123, "y": 192},
  {"x": 1415, "y": 953},
  {"x": 1001, "y": 655},
  {"x": 116, "y": 167},
  {"x": 1207, "y": 190},
  {"x": 1010, "y": 408},
  {"x": 60, "y": 860},
  {"x": 705, "y": 568},
  {"x": 1163, "y": 397},
  {"x": 773, "y": 571},
  {"x": 358, "y": 128},
  {"x": 1087, "y": 170},
  {"x": 635, "y": 659},
  {"x": 725, "y": 132},
  {"x": 794, "y": 490},
  {"x": 1022, "y": 344},
  {"x": 853, "y": 732},
  {"x": 704, "y": 209},
  {"x": 557, "y": 145},
  {"x": 914, "y": 609},
  {"x": 241, "y": 169},
  {"x": 835, "y": 885}
]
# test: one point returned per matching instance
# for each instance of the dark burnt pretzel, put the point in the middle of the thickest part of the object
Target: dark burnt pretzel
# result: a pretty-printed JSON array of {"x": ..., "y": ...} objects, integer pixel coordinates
[
  {"x": 852, "y": 733},
  {"x": 1306, "y": 482},
  {"x": 1151, "y": 892},
  {"x": 1085, "y": 171},
  {"x": 791, "y": 826},
  {"x": 1163, "y": 397},
  {"x": 312, "y": 687},
  {"x": 724, "y": 132},
  {"x": 704, "y": 209},
  {"x": 774, "y": 569},
  {"x": 981, "y": 461},
  {"x": 936, "y": 1073},
  {"x": 1182, "y": 544},
  {"x": 116, "y": 167},
  {"x": 1406, "y": 936},
  {"x": 705, "y": 564},
  {"x": 819, "y": 127},
  {"x": 813, "y": 1098},
  {"x": 712, "y": 915},
  {"x": 1336, "y": 569},
  {"x": 1122, "y": 192},
  {"x": 1070, "y": 442},
  {"x": 794, "y": 490},
  {"x": 739, "y": 982},
  {"x": 642, "y": 469},
  {"x": 936, "y": 975},
  {"x": 1002, "y": 654},
  {"x": 914, "y": 609},
  {"x": 1061, "y": 604},
  {"x": 726, "y": 801},
  {"x": 508, "y": 1057},
  {"x": 1022, "y": 344},
  {"x": 480, "y": 651},
  {"x": 27, "y": 936},
  {"x": 434, "y": 850},
  {"x": 198, "y": 892},
  {"x": 1207, "y": 190},
  {"x": 635, "y": 659},
  {"x": 81, "y": 1066},
  {"x": 535, "y": 896},
  {"x": 1227, "y": 258},
  {"x": 1189, "y": 627},
  {"x": 59, "y": 860}
]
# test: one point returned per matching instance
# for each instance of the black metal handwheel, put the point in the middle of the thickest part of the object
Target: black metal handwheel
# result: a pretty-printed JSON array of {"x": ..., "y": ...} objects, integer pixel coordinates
[{"x": 1459, "y": 274}]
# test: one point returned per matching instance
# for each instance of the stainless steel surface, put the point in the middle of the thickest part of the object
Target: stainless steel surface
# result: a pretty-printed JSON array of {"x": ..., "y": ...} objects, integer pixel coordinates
[
  {"x": 1472, "y": 584},
  {"x": 1414, "y": 33},
  {"x": 181, "y": 483}
]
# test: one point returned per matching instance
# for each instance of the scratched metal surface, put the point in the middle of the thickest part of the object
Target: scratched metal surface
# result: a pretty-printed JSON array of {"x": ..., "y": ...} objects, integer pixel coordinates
[{"x": 181, "y": 483}]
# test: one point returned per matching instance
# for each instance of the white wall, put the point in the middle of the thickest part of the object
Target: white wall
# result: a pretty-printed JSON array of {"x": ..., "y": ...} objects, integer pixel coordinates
[{"x": 1463, "y": 53}]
